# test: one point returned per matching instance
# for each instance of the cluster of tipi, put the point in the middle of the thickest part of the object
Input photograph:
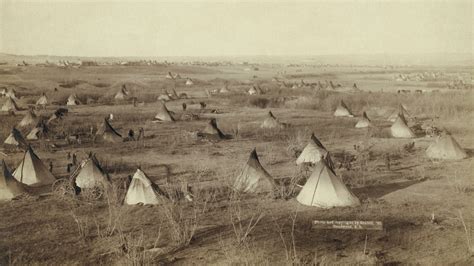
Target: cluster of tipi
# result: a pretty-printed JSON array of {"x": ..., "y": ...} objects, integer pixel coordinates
[{"x": 444, "y": 147}]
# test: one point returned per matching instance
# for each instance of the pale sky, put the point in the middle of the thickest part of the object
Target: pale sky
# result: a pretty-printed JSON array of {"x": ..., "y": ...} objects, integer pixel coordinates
[{"x": 220, "y": 28}]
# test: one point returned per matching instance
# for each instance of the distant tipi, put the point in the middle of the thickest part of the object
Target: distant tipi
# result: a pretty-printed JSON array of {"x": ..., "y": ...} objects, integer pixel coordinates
[
  {"x": 343, "y": 110},
  {"x": 16, "y": 139},
  {"x": 10, "y": 105},
  {"x": 163, "y": 114},
  {"x": 142, "y": 190},
  {"x": 445, "y": 147},
  {"x": 212, "y": 130},
  {"x": 32, "y": 171},
  {"x": 271, "y": 122},
  {"x": 400, "y": 129},
  {"x": 29, "y": 119},
  {"x": 254, "y": 178},
  {"x": 72, "y": 100},
  {"x": 314, "y": 152},
  {"x": 363, "y": 122},
  {"x": 43, "y": 100},
  {"x": 107, "y": 133},
  {"x": 90, "y": 175}
]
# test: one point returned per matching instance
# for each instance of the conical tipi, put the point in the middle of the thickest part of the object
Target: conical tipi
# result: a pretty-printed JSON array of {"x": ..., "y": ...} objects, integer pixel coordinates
[
  {"x": 254, "y": 178},
  {"x": 189, "y": 82},
  {"x": 212, "y": 130},
  {"x": 29, "y": 119},
  {"x": 163, "y": 114},
  {"x": 325, "y": 189},
  {"x": 9, "y": 187},
  {"x": 107, "y": 133},
  {"x": 401, "y": 112},
  {"x": 313, "y": 152},
  {"x": 43, "y": 100},
  {"x": 10, "y": 105},
  {"x": 446, "y": 147},
  {"x": 400, "y": 129},
  {"x": 11, "y": 93},
  {"x": 121, "y": 94},
  {"x": 363, "y": 122},
  {"x": 16, "y": 139},
  {"x": 72, "y": 100},
  {"x": 40, "y": 131},
  {"x": 32, "y": 171},
  {"x": 142, "y": 190},
  {"x": 224, "y": 89},
  {"x": 271, "y": 122},
  {"x": 253, "y": 90},
  {"x": 90, "y": 174},
  {"x": 343, "y": 110}
]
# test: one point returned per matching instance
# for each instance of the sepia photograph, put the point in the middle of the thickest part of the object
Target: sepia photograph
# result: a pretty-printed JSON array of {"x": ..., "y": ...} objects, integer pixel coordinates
[{"x": 236, "y": 132}]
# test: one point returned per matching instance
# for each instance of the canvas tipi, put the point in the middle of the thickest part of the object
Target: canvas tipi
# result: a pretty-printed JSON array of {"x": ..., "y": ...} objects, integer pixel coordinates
[
  {"x": 163, "y": 114},
  {"x": 446, "y": 147},
  {"x": 253, "y": 90},
  {"x": 189, "y": 82},
  {"x": 121, "y": 94},
  {"x": 142, "y": 190},
  {"x": 72, "y": 100},
  {"x": 363, "y": 122},
  {"x": 254, "y": 178},
  {"x": 11, "y": 93},
  {"x": 325, "y": 189},
  {"x": 40, "y": 131},
  {"x": 10, "y": 105},
  {"x": 16, "y": 139},
  {"x": 343, "y": 110},
  {"x": 401, "y": 112},
  {"x": 271, "y": 122},
  {"x": 400, "y": 129},
  {"x": 32, "y": 171},
  {"x": 90, "y": 175},
  {"x": 313, "y": 152},
  {"x": 29, "y": 119},
  {"x": 10, "y": 188},
  {"x": 211, "y": 130},
  {"x": 43, "y": 100},
  {"x": 224, "y": 89},
  {"x": 107, "y": 133}
]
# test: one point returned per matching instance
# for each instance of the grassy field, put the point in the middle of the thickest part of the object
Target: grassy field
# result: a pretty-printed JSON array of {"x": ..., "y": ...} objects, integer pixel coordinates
[{"x": 426, "y": 206}]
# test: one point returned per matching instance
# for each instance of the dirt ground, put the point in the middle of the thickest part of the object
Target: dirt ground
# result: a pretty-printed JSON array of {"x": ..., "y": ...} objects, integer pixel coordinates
[{"x": 427, "y": 207}]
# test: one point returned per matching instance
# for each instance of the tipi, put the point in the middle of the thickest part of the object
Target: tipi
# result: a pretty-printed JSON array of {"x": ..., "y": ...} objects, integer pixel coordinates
[
  {"x": 11, "y": 93},
  {"x": 9, "y": 186},
  {"x": 401, "y": 112},
  {"x": 189, "y": 82},
  {"x": 107, "y": 133},
  {"x": 89, "y": 174},
  {"x": 121, "y": 94},
  {"x": 343, "y": 110},
  {"x": 224, "y": 89},
  {"x": 211, "y": 130},
  {"x": 325, "y": 189},
  {"x": 43, "y": 100},
  {"x": 253, "y": 90},
  {"x": 72, "y": 100},
  {"x": 40, "y": 131},
  {"x": 32, "y": 171},
  {"x": 446, "y": 147},
  {"x": 16, "y": 139},
  {"x": 29, "y": 119},
  {"x": 254, "y": 178},
  {"x": 142, "y": 190},
  {"x": 163, "y": 114},
  {"x": 400, "y": 129},
  {"x": 313, "y": 152},
  {"x": 10, "y": 105},
  {"x": 271, "y": 122},
  {"x": 364, "y": 121}
]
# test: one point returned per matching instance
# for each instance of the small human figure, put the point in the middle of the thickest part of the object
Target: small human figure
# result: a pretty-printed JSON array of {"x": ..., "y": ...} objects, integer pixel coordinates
[
  {"x": 50, "y": 166},
  {"x": 74, "y": 159},
  {"x": 141, "y": 134},
  {"x": 68, "y": 168},
  {"x": 131, "y": 135},
  {"x": 184, "y": 106},
  {"x": 68, "y": 156}
]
